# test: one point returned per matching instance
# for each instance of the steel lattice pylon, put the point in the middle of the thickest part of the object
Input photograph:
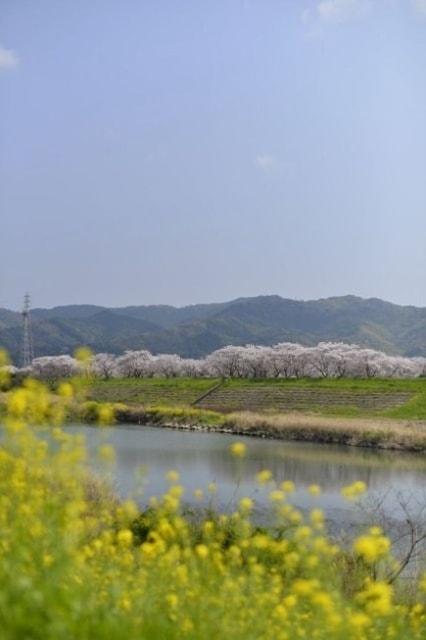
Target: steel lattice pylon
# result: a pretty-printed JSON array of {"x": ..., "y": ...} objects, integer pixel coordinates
[{"x": 27, "y": 338}]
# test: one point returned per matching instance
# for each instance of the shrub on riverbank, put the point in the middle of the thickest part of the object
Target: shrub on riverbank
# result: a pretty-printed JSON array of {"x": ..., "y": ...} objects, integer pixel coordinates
[
  {"x": 75, "y": 563},
  {"x": 169, "y": 415}
]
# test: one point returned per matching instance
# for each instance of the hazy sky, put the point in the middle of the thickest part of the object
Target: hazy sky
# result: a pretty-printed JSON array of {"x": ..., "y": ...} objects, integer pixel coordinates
[{"x": 180, "y": 151}]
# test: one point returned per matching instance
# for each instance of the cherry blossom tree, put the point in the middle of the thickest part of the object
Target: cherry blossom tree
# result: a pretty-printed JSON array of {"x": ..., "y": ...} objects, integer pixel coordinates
[
  {"x": 52, "y": 368},
  {"x": 167, "y": 365},
  {"x": 103, "y": 365},
  {"x": 227, "y": 362},
  {"x": 283, "y": 360},
  {"x": 135, "y": 364}
]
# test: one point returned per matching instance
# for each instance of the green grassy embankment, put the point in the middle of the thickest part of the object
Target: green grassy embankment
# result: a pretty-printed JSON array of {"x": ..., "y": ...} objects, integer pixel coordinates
[
  {"x": 388, "y": 414},
  {"x": 151, "y": 391},
  {"x": 399, "y": 399}
]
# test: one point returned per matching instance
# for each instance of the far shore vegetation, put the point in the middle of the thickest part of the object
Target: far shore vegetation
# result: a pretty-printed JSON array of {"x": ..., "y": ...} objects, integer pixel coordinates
[
  {"x": 387, "y": 414},
  {"x": 375, "y": 412}
]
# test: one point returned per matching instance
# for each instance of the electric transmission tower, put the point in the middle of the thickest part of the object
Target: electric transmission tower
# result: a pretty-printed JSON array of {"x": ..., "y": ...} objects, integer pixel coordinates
[{"x": 27, "y": 337}]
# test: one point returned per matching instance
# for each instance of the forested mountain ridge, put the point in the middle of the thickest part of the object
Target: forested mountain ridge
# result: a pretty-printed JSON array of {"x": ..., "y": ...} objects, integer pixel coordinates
[{"x": 196, "y": 330}]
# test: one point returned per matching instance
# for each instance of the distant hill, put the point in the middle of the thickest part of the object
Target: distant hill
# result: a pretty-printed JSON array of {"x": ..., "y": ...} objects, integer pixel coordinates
[{"x": 196, "y": 330}]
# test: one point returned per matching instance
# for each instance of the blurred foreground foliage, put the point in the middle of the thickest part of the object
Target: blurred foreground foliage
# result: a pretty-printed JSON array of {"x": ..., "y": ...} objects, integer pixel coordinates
[{"x": 77, "y": 563}]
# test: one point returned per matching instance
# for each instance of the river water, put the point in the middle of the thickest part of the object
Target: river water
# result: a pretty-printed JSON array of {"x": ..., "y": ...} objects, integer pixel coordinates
[{"x": 145, "y": 454}]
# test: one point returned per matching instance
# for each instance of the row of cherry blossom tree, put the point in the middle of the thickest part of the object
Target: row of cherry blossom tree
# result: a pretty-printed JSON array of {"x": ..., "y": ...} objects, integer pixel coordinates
[{"x": 284, "y": 360}]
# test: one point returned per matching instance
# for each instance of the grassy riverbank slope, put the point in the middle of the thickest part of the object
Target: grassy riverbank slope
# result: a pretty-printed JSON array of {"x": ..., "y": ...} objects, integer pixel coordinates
[
  {"x": 392, "y": 399},
  {"x": 386, "y": 414}
]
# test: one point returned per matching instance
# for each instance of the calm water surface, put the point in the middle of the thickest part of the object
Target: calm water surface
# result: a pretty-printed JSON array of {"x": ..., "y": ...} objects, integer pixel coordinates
[{"x": 145, "y": 454}]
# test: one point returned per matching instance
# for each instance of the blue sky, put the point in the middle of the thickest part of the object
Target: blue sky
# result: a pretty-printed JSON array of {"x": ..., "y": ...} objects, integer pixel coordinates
[{"x": 182, "y": 152}]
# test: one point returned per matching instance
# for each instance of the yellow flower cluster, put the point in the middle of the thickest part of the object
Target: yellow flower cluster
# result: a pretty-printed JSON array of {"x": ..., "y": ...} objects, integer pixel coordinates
[
  {"x": 77, "y": 563},
  {"x": 264, "y": 476},
  {"x": 314, "y": 490},
  {"x": 354, "y": 490},
  {"x": 238, "y": 449},
  {"x": 376, "y": 598},
  {"x": 372, "y": 547}
]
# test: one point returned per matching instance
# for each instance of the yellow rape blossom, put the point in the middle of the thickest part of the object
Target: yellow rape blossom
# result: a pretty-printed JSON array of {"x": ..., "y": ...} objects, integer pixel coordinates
[
  {"x": 372, "y": 547},
  {"x": 69, "y": 549},
  {"x": 172, "y": 476},
  {"x": 264, "y": 476},
  {"x": 314, "y": 490},
  {"x": 125, "y": 537},
  {"x": 238, "y": 449},
  {"x": 287, "y": 486},
  {"x": 246, "y": 504},
  {"x": 354, "y": 490}
]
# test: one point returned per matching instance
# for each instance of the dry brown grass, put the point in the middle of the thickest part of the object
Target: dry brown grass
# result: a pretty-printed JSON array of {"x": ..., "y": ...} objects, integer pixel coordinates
[{"x": 367, "y": 432}]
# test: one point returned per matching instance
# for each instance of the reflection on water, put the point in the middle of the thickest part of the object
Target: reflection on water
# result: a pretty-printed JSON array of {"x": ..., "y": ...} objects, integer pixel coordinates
[{"x": 204, "y": 457}]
